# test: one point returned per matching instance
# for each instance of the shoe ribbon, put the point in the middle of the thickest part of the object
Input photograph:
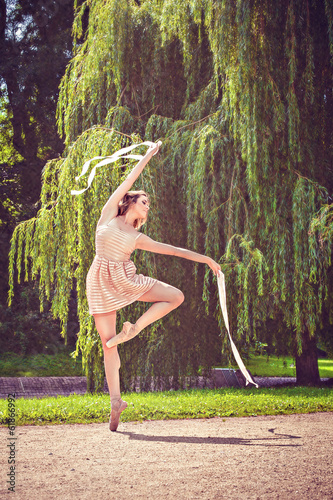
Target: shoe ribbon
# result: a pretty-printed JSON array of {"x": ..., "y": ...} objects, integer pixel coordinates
[
  {"x": 223, "y": 303},
  {"x": 106, "y": 160}
]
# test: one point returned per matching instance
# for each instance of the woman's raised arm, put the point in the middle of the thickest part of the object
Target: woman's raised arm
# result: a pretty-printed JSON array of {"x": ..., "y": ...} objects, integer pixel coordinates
[
  {"x": 145, "y": 243},
  {"x": 110, "y": 209}
]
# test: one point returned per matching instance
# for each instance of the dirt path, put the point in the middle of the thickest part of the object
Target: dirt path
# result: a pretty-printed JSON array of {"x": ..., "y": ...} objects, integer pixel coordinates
[{"x": 272, "y": 457}]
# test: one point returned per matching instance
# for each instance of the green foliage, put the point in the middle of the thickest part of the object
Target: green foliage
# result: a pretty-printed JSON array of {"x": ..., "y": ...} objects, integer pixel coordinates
[
  {"x": 9, "y": 157},
  {"x": 25, "y": 330},
  {"x": 273, "y": 366},
  {"x": 8, "y": 154},
  {"x": 321, "y": 230},
  {"x": 171, "y": 405},
  {"x": 39, "y": 365},
  {"x": 240, "y": 94},
  {"x": 35, "y": 46}
]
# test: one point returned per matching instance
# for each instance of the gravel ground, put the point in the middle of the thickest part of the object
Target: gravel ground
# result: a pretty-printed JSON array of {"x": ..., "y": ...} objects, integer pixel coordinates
[{"x": 266, "y": 457}]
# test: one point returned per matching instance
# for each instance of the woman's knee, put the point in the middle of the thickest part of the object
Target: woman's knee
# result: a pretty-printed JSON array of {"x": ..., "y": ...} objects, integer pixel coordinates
[
  {"x": 179, "y": 297},
  {"x": 106, "y": 327}
]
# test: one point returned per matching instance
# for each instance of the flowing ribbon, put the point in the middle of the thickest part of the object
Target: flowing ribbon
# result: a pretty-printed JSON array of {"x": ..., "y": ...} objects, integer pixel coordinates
[
  {"x": 223, "y": 303},
  {"x": 122, "y": 153}
]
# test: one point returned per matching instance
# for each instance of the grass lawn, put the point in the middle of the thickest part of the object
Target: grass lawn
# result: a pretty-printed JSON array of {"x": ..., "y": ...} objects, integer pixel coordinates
[
  {"x": 196, "y": 403},
  {"x": 261, "y": 366},
  {"x": 62, "y": 365}
]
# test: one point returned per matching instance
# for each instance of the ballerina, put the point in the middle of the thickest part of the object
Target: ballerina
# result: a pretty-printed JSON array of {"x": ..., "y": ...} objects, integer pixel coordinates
[{"x": 112, "y": 282}]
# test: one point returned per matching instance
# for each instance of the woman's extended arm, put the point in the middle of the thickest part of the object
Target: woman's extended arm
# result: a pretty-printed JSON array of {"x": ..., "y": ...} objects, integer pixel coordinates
[
  {"x": 146, "y": 243},
  {"x": 110, "y": 209}
]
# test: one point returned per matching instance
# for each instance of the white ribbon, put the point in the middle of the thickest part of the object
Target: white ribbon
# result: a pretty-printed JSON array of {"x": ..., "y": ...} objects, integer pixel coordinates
[
  {"x": 223, "y": 303},
  {"x": 106, "y": 160}
]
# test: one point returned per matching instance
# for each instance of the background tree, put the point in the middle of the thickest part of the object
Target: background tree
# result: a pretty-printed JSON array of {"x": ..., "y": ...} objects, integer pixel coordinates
[
  {"x": 35, "y": 46},
  {"x": 241, "y": 95}
]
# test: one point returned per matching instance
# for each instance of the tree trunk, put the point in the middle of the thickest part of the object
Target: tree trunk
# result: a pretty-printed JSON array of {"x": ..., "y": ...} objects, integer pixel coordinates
[{"x": 307, "y": 372}]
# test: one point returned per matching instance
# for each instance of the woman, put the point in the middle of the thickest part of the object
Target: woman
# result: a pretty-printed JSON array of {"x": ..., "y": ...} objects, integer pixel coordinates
[{"x": 113, "y": 284}]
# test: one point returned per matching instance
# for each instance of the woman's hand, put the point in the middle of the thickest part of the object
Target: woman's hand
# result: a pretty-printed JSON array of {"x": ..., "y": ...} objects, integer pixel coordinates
[
  {"x": 154, "y": 149},
  {"x": 215, "y": 267},
  {"x": 110, "y": 209}
]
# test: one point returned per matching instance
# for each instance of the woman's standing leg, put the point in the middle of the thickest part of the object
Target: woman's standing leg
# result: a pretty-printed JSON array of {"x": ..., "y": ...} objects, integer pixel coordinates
[{"x": 106, "y": 327}]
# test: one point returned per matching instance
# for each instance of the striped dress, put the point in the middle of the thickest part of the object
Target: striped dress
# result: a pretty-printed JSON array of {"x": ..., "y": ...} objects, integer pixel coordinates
[{"x": 112, "y": 282}]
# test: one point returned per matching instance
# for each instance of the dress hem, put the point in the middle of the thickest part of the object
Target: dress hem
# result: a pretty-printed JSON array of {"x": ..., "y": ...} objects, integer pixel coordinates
[{"x": 128, "y": 303}]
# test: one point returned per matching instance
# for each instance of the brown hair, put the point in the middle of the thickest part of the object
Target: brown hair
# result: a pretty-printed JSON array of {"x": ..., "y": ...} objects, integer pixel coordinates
[{"x": 129, "y": 198}]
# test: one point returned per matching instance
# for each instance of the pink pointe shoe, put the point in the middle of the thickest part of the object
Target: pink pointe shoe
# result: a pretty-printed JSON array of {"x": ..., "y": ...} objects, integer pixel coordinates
[
  {"x": 128, "y": 332},
  {"x": 117, "y": 406}
]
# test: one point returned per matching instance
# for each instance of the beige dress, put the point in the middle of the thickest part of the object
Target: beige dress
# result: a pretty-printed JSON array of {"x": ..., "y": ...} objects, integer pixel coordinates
[{"x": 112, "y": 282}]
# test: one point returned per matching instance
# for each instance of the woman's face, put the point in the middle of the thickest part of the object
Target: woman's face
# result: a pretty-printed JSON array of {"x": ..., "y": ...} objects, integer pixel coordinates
[{"x": 142, "y": 206}]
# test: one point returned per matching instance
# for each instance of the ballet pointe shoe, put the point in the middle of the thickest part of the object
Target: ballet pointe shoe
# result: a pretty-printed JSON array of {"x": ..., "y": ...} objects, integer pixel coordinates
[
  {"x": 117, "y": 406},
  {"x": 128, "y": 332}
]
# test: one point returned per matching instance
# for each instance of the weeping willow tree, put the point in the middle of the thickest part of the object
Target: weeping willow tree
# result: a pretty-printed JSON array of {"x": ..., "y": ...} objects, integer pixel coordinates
[{"x": 240, "y": 93}]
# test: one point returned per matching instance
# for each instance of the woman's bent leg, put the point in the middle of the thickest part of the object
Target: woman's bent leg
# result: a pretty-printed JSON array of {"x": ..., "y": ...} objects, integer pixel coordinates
[{"x": 165, "y": 298}]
